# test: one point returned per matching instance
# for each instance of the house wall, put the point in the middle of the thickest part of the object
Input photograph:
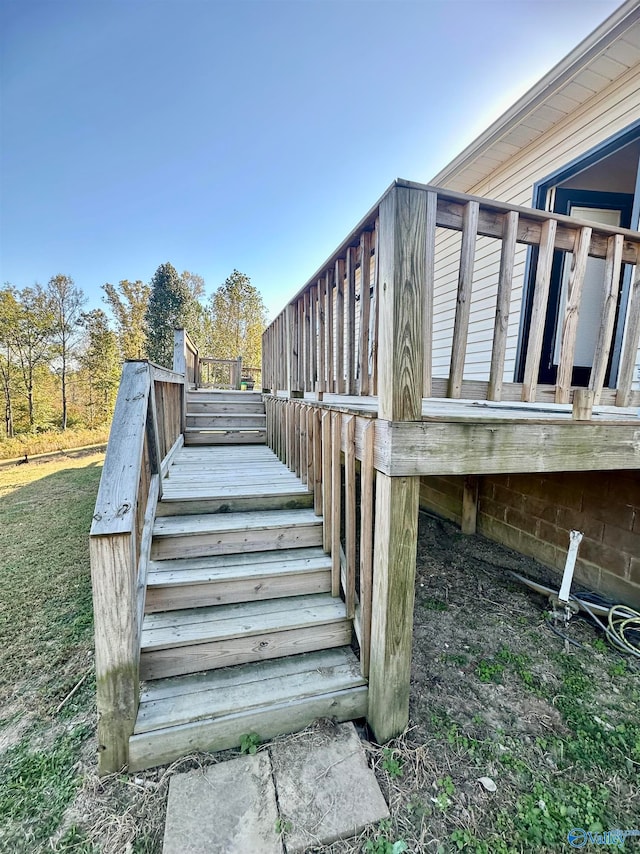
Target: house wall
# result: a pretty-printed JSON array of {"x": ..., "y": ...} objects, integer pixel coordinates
[
  {"x": 591, "y": 123},
  {"x": 533, "y": 514}
]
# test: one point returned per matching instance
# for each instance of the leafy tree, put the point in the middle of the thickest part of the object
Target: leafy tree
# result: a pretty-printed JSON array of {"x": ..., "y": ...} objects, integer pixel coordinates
[
  {"x": 196, "y": 318},
  {"x": 101, "y": 363},
  {"x": 128, "y": 302},
  {"x": 8, "y": 315},
  {"x": 168, "y": 308},
  {"x": 66, "y": 303},
  {"x": 29, "y": 319},
  {"x": 239, "y": 318}
]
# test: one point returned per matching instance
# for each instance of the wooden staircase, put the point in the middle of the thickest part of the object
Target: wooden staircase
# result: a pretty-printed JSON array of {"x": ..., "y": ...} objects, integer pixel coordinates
[
  {"x": 225, "y": 418},
  {"x": 240, "y": 632}
]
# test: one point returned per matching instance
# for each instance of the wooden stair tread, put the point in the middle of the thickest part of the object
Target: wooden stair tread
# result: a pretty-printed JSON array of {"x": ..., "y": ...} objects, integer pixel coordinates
[
  {"x": 172, "y": 629},
  {"x": 245, "y": 566},
  {"x": 245, "y": 429},
  {"x": 176, "y": 526},
  {"x": 278, "y": 701},
  {"x": 179, "y": 700}
]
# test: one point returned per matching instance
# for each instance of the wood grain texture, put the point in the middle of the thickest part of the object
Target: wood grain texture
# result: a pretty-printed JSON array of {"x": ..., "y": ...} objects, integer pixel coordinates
[
  {"x": 336, "y": 500},
  {"x": 170, "y": 703},
  {"x": 402, "y": 246},
  {"x": 326, "y": 482},
  {"x": 538, "y": 311},
  {"x": 350, "y": 513},
  {"x": 338, "y": 329},
  {"x": 571, "y": 316},
  {"x": 430, "y": 272},
  {"x": 503, "y": 303},
  {"x": 316, "y": 414},
  {"x": 630, "y": 349},
  {"x": 113, "y": 581},
  {"x": 469, "y": 504},
  {"x": 350, "y": 320},
  {"x": 212, "y": 734},
  {"x": 451, "y": 447},
  {"x": 613, "y": 265},
  {"x": 365, "y": 306},
  {"x": 396, "y": 532},
  {"x": 321, "y": 382},
  {"x": 116, "y": 502},
  {"x": 463, "y": 298},
  {"x": 367, "y": 485}
]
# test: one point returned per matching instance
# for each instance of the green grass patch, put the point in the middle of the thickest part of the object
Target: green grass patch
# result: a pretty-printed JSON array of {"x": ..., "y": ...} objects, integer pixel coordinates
[
  {"x": 36, "y": 786},
  {"x": 46, "y": 641}
]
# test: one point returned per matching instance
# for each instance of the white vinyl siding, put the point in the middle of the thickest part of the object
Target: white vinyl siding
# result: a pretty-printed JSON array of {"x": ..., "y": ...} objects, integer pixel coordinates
[{"x": 591, "y": 123}]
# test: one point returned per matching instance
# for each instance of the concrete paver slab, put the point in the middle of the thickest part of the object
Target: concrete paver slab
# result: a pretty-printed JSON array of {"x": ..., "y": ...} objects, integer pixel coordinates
[
  {"x": 228, "y": 808},
  {"x": 326, "y": 790}
]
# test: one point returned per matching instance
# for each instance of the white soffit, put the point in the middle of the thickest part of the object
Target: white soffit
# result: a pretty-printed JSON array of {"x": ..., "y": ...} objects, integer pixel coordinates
[{"x": 612, "y": 50}]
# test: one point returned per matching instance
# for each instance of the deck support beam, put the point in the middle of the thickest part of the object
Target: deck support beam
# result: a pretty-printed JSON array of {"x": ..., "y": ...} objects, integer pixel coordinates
[
  {"x": 117, "y": 646},
  {"x": 402, "y": 298},
  {"x": 394, "y": 569}
]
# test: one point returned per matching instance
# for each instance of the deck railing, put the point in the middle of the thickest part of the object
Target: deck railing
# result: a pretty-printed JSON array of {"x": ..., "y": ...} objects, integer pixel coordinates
[
  {"x": 364, "y": 325},
  {"x": 313, "y": 444},
  {"x": 146, "y": 430},
  {"x": 327, "y": 338}
]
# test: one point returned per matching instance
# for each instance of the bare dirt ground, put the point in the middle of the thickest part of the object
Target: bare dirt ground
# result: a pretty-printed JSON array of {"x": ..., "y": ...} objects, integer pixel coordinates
[{"x": 516, "y": 736}]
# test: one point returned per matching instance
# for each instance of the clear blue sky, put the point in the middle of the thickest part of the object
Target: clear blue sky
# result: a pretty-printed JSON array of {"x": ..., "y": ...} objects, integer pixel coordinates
[{"x": 241, "y": 134}]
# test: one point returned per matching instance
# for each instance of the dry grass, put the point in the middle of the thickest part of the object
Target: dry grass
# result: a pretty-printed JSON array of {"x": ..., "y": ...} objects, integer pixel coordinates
[
  {"x": 494, "y": 694},
  {"x": 53, "y": 440}
]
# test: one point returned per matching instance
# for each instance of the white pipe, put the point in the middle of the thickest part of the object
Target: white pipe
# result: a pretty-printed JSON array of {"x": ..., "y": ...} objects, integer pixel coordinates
[{"x": 567, "y": 577}]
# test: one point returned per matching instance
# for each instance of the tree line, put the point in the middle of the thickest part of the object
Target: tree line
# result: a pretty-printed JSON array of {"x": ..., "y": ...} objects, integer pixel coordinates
[{"x": 60, "y": 365}]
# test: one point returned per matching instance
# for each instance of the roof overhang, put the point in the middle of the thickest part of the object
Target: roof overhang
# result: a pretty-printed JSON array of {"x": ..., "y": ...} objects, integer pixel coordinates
[{"x": 607, "y": 53}]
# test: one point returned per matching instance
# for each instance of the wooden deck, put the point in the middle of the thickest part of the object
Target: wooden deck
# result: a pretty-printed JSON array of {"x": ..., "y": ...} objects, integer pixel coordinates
[
  {"x": 225, "y": 478},
  {"x": 469, "y": 410}
]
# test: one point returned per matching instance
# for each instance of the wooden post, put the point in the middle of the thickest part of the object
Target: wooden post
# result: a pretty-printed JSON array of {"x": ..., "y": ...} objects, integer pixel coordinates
[
  {"x": 583, "y": 404},
  {"x": 292, "y": 349},
  {"x": 180, "y": 367},
  {"x": 113, "y": 550},
  {"x": 470, "y": 504},
  {"x": 402, "y": 267},
  {"x": 114, "y": 577}
]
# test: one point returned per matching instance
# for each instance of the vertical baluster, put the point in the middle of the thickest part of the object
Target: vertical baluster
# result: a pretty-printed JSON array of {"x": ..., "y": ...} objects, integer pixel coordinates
[
  {"x": 308, "y": 377},
  {"x": 350, "y": 320},
  {"x": 503, "y": 303},
  {"x": 339, "y": 327},
  {"x": 328, "y": 313},
  {"x": 326, "y": 483},
  {"x": 366, "y": 544},
  {"x": 317, "y": 460},
  {"x": 427, "y": 316},
  {"x": 572, "y": 314},
  {"x": 375, "y": 311},
  {"x": 350, "y": 514},
  {"x": 336, "y": 501},
  {"x": 313, "y": 338},
  {"x": 365, "y": 306},
  {"x": 321, "y": 383},
  {"x": 539, "y": 309},
  {"x": 463, "y": 303},
  {"x": 613, "y": 266},
  {"x": 631, "y": 340}
]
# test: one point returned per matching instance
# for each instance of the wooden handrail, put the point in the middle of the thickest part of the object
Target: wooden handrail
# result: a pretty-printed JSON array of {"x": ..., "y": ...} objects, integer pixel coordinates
[
  {"x": 327, "y": 338},
  {"x": 146, "y": 430}
]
